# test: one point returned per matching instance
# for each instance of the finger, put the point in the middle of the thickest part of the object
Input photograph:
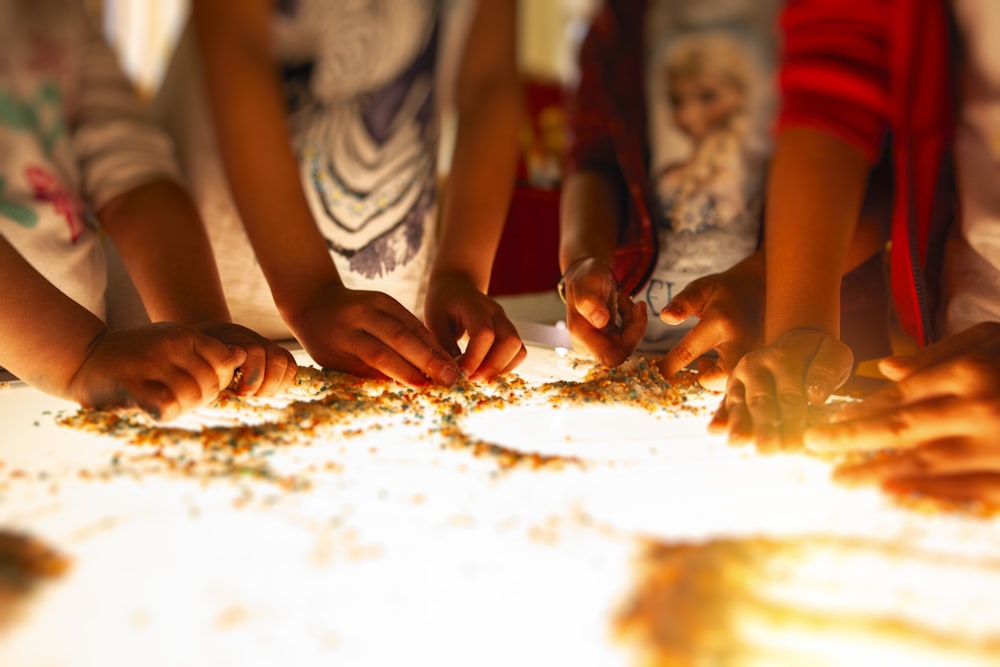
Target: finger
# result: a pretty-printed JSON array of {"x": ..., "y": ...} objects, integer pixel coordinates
[
  {"x": 346, "y": 363},
  {"x": 481, "y": 340},
  {"x": 157, "y": 400},
  {"x": 701, "y": 339},
  {"x": 767, "y": 405},
  {"x": 291, "y": 372},
  {"x": 952, "y": 346},
  {"x": 711, "y": 375},
  {"x": 279, "y": 373},
  {"x": 904, "y": 427},
  {"x": 444, "y": 331},
  {"x": 739, "y": 423},
  {"x": 720, "y": 418},
  {"x": 594, "y": 309},
  {"x": 516, "y": 361},
  {"x": 897, "y": 368},
  {"x": 828, "y": 369},
  {"x": 634, "y": 319},
  {"x": 222, "y": 358},
  {"x": 595, "y": 342},
  {"x": 192, "y": 385},
  {"x": 954, "y": 456},
  {"x": 945, "y": 379},
  {"x": 506, "y": 346},
  {"x": 983, "y": 487},
  {"x": 404, "y": 346},
  {"x": 688, "y": 303},
  {"x": 253, "y": 370},
  {"x": 375, "y": 354}
]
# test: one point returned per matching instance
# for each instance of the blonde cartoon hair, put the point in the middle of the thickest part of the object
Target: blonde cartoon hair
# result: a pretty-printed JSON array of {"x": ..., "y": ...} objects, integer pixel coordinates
[
  {"x": 725, "y": 58},
  {"x": 717, "y": 54}
]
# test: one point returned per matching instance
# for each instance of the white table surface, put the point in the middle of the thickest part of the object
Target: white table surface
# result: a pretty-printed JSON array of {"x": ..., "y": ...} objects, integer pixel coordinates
[{"x": 402, "y": 552}]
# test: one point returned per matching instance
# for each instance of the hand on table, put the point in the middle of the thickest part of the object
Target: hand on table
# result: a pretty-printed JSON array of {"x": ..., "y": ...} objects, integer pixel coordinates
[
  {"x": 602, "y": 321},
  {"x": 770, "y": 389},
  {"x": 268, "y": 369},
  {"x": 370, "y": 334},
  {"x": 939, "y": 419},
  {"x": 162, "y": 369},
  {"x": 729, "y": 306},
  {"x": 455, "y": 307}
]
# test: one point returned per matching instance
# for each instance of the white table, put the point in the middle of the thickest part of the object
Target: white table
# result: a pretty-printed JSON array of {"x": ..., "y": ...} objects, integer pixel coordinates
[{"x": 402, "y": 552}]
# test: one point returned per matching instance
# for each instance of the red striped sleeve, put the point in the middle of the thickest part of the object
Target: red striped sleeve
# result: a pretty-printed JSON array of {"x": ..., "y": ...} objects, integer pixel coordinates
[{"x": 834, "y": 70}]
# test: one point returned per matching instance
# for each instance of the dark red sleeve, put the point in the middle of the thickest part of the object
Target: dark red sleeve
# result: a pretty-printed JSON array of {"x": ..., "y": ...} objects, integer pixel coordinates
[
  {"x": 591, "y": 144},
  {"x": 834, "y": 69}
]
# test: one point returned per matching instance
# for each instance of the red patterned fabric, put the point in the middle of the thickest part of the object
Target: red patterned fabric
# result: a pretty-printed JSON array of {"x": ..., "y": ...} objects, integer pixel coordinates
[{"x": 871, "y": 70}]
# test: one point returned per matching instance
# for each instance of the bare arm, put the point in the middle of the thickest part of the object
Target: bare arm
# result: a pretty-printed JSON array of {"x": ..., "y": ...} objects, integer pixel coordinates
[
  {"x": 234, "y": 40},
  {"x": 51, "y": 342},
  {"x": 365, "y": 333},
  {"x": 44, "y": 335},
  {"x": 156, "y": 229},
  {"x": 481, "y": 178},
  {"x": 163, "y": 244},
  {"x": 589, "y": 223},
  {"x": 477, "y": 196},
  {"x": 815, "y": 189}
]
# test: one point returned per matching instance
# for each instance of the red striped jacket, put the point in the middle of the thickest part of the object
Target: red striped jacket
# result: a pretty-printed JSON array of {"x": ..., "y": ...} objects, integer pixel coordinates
[{"x": 871, "y": 71}]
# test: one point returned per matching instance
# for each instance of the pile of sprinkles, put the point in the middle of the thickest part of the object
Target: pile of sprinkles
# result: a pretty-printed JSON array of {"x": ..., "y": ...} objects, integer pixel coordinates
[{"x": 235, "y": 437}]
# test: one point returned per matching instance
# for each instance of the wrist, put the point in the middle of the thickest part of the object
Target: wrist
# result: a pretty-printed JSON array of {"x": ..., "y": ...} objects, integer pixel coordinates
[
  {"x": 458, "y": 275},
  {"x": 93, "y": 342}
]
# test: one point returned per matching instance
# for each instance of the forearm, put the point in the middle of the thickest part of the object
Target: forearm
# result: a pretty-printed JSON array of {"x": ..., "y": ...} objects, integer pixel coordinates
[
  {"x": 44, "y": 335},
  {"x": 815, "y": 189},
  {"x": 162, "y": 242},
  {"x": 479, "y": 187},
  {"x": 481, "y": 178},
  {"x": 589, "y": 218},
  {"x": 256, "y": 151}
]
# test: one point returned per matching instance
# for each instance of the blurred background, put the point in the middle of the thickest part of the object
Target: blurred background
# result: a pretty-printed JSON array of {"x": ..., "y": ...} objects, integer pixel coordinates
[{"x": 144, "y": 32}]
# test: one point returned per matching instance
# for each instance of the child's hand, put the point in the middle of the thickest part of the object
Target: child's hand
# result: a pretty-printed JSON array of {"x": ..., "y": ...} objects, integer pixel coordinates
[
  {"x": 730, "y": 308},
  {"x": 268, "y": 369},
  {"x": 770, "y": 389},
  {"x": 455, "y": 307},
  {"x": 601, "y": 322},
  {"x": 938, "y": 422},
  {"x": 162, "y": 369},
  {"x": 371, "y": 335}
]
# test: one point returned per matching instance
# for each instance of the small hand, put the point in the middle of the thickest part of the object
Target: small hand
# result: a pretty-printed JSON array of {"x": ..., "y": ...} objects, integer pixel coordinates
[
  {"x": 268, "y": 369},
  {"x": 162, "y": 369},
  {"x": 769, "y": 391},
  {"x": 729, "y": 306},
  {"x": 938, "y": 421},
  {"x": 455, "y": 307},
  {"x": 372, "y": 335},
  {"x": 593, "y": 304}
]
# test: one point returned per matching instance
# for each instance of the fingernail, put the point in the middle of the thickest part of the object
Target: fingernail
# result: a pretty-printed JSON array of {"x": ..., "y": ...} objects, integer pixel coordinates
[{"x": 448, "y": 376}]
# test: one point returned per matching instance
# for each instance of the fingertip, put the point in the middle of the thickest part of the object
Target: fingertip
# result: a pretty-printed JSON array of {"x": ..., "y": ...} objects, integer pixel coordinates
[
  {"x": 673, "y": 313},
  {"x": 818, "y": 392},
  {"x": 448, "y": 375},
  {"x": 896, "y": 368},
  {"x": 598, "y": 318},
  {"x": 238, "y": 354}
]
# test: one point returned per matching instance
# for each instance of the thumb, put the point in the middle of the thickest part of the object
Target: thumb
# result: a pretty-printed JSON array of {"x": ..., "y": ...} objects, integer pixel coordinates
[
  {"x": 828, "y": 369},
  {"x": 594, "y": 310}
]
